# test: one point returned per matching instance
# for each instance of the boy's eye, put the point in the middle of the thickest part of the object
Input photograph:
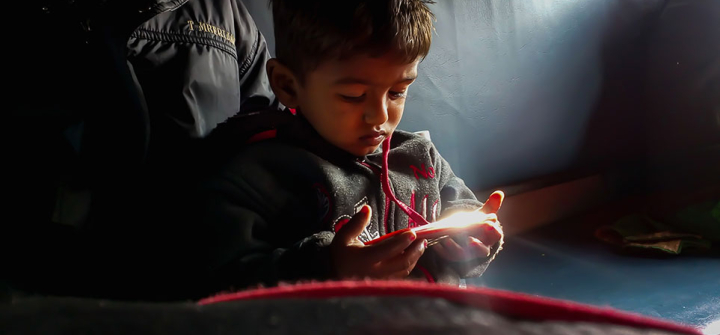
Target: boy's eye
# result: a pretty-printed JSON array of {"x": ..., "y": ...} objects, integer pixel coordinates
[
  {"x": 351, "y": 98},
  {"x": 396, "y": 95}
]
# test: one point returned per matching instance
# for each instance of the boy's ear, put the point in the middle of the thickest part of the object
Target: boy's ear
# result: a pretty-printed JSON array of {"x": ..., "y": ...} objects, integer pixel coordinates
[{"x": 283, "y": 83}]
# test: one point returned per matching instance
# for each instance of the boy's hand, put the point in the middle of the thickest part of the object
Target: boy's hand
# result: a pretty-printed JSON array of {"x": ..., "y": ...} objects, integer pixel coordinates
[
  {"x": 393, "y": 258},
  {"x": 478, "y": 243}
]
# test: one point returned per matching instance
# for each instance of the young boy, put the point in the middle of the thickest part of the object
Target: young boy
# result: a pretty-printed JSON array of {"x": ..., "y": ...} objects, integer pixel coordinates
[{"x": 300, "y": 201}]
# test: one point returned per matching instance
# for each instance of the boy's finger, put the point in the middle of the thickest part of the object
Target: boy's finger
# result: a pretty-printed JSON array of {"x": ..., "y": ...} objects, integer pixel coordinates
[
  {"x": 493, "y": 203},
  {"x": 478, "y": 248},
  {"x": 401, "y": 265},
  {"x": 474, "y": 248},
  {"x": 488, "y": 234},
  {"x": 353, "y": 228},
  {"x": 440, "y": 250},
  {"x": 390, "y": 247},
  {"x": 487, "y": 217},
  {"x": 453, "y": 250}
]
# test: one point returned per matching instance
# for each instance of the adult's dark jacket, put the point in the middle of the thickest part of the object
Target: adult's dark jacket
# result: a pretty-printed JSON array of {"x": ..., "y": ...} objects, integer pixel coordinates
[{"x": 108, "y": 106}]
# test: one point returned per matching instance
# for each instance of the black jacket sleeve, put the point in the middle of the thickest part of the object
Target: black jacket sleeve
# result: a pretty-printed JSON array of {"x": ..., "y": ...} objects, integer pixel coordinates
[{"x": 257, "y": 228}]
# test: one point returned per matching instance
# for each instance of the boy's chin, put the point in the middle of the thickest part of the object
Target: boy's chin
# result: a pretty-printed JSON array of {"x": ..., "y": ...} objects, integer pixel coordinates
[{"x": 361, "y": 152}]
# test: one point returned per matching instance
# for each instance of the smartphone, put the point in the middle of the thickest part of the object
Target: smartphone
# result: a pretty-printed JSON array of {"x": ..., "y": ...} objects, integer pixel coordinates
[{"x": 438, "y": 230}]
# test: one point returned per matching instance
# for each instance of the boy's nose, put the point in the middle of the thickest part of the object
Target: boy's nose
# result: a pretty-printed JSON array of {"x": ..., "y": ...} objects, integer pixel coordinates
[{"x": 376, "y": 112}]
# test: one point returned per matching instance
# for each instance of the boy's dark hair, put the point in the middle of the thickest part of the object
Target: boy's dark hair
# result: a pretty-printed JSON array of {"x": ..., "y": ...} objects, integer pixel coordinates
[{"x": 308, "y": 32}]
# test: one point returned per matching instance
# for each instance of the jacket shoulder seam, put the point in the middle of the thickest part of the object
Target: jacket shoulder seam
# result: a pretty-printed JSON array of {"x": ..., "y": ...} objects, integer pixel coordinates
[{"x": 170, "y": 36}]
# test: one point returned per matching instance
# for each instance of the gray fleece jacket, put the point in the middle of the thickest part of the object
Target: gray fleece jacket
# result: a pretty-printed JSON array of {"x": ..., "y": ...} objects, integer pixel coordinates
[{"x": 276, "y": 203}]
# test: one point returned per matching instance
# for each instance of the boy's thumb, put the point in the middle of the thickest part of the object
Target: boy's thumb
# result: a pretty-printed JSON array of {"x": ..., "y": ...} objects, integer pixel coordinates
[
  {"x": 493, "y": 203},
  {"x": 353, "y": 228}
]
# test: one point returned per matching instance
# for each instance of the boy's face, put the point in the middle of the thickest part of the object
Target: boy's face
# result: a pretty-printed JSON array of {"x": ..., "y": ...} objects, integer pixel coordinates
[{"x": 356, "y": 103}]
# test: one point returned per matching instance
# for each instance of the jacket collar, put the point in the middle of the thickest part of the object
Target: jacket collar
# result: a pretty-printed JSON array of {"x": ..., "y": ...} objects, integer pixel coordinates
[
  {"x": 301, "y": 132},
  {"x": 123, "y": 16},
  {"x": 126, "y": 16}
]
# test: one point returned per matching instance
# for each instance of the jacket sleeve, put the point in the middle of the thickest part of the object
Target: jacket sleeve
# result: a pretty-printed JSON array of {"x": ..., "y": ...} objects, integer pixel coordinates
[
  {"x": 257, "y": 231},
  {"x": 456, "y": 196},
  {"x": 255, "y": 91}
]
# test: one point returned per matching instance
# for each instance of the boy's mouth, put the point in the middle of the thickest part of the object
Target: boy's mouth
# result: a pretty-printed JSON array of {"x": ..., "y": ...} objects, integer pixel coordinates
[{"x": 373, "y": 138}]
